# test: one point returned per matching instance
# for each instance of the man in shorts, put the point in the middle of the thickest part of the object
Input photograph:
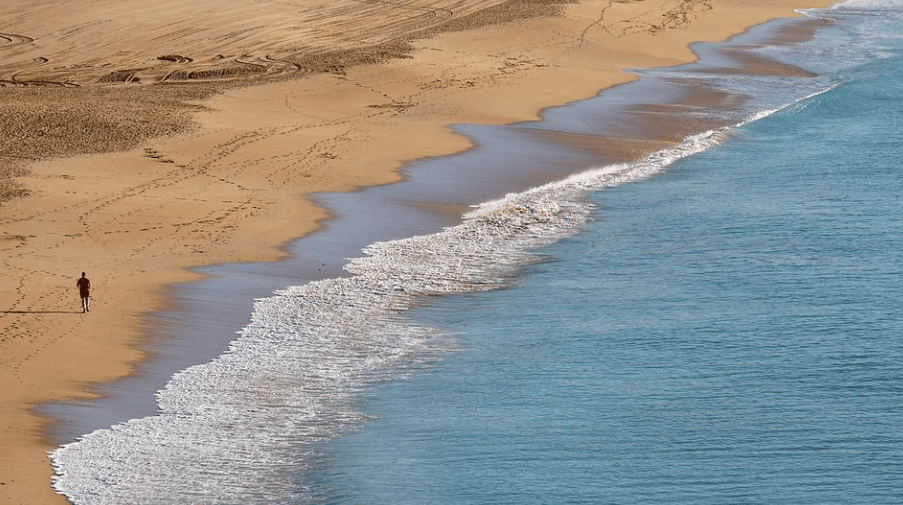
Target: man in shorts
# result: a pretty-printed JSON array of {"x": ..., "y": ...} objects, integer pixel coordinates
[{"x": 84, "y": 289}]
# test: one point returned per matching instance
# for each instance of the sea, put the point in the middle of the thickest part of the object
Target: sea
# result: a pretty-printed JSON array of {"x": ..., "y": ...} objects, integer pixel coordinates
[{"x": 717, "y": 322}]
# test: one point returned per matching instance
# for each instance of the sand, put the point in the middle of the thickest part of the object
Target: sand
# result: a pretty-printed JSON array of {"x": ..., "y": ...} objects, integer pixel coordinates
[{"x": 141, "y": 141}]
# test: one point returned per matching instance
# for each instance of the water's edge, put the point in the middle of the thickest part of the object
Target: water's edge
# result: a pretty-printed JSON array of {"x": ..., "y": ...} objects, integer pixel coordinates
[{"x": 203, "y": 324}]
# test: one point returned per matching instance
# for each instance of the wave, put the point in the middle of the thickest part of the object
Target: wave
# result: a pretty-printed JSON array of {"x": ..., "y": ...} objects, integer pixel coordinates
[
  {"x": 240, "y": 428},
  {"x": 870, "y": 4},
  {"x": 236, "y": 429}
]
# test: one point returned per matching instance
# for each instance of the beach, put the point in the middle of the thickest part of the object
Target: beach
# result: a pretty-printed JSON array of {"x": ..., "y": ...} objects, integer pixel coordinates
[{"x": 219, "y": 131}]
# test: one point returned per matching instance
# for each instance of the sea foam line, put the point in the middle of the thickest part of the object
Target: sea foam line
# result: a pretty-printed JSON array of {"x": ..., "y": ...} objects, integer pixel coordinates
[
  {"x": 236, "y": 429},
  {"x": 869, "y": 4}
]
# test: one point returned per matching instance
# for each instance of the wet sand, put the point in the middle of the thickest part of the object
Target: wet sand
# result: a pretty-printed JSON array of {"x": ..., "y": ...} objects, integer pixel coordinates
[{"x": 231, "y": 177}]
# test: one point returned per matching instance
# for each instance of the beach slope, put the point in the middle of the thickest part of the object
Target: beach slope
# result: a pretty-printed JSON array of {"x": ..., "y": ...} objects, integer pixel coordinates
[{"x": 139, "y": 141}]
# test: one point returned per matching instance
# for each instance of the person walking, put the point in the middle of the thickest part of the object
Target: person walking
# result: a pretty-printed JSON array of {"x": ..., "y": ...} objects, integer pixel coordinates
[{"x": 84, "y": 290}]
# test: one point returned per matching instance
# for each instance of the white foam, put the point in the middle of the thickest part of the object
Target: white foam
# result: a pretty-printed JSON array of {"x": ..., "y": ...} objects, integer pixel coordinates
[
  {"x": 870, "y": 4},
  {"x": 239, "y": 428},
  {"x": 234, "y": 429}
]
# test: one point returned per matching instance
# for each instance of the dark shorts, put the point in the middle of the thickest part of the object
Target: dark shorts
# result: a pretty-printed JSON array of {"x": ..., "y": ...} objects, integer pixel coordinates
[{"x": 83, "y": 293}]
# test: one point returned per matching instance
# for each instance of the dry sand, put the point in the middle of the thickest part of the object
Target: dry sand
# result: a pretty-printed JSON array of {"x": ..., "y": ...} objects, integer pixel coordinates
[{"x": 142, "y": 138}]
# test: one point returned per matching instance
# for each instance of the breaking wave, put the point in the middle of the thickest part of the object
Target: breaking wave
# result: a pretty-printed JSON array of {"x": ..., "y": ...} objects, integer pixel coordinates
[{"x": 237, "y": 429}]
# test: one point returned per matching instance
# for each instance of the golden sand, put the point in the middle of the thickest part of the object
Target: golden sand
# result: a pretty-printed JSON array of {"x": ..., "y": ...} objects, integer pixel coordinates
[{"x": 143, "y": 138}]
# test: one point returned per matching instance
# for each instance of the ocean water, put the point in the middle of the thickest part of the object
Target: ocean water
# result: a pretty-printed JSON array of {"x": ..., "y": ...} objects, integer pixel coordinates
[{"x": 716, "y": 323}]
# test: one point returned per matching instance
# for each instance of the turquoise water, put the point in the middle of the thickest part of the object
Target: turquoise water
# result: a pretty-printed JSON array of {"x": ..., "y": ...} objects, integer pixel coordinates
[
  {"x": 726, "y": 331},
  {"x": 717, "y": 323}
]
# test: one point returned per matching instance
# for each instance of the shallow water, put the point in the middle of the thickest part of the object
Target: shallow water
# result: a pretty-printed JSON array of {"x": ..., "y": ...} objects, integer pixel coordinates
[
  {"x": 725, "y": 332},
  {"x": 713, "y": 324}
]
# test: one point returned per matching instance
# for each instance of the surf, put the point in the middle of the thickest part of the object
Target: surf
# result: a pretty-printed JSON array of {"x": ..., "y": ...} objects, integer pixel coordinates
[{"x": 231, "y": 430}]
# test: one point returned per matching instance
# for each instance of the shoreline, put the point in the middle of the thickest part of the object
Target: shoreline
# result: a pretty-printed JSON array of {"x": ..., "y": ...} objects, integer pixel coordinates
[{"x": 125, "y": 351}]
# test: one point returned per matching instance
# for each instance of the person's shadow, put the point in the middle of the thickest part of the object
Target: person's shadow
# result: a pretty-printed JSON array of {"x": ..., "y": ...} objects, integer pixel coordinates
[{"x": 40, "y": 312}]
